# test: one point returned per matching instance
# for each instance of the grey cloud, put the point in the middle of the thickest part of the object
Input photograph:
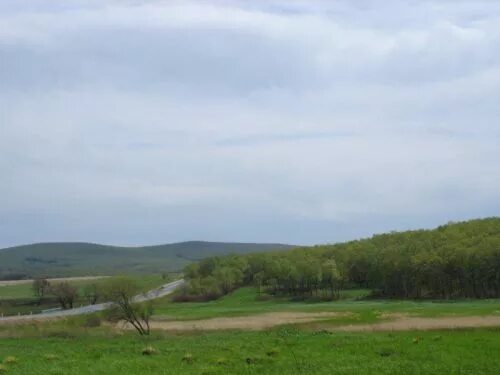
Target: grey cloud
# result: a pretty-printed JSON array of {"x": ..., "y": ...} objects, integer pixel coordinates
[{"x": 303, "y": 122}]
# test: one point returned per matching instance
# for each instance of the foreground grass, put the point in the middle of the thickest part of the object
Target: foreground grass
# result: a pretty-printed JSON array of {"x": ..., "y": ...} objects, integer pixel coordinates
[
  {"x": 280, "y": 351},
  {"x": 247, "y": 301}
]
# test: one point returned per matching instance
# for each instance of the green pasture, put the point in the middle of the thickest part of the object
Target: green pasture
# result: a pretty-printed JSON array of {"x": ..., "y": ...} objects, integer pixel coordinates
[{"x": 280, "y": 351}]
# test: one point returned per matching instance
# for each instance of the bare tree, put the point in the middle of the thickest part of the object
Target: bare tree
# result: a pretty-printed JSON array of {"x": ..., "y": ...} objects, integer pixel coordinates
[
  {"x": 40, "y": 287},
  {"x": 121, "y": 291},
  {"x": 65, "y": 293},
  {"x": 92, "y": 293}
]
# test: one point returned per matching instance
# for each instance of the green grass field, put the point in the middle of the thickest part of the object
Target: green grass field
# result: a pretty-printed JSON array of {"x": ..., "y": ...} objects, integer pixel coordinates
[
  {"x": 279, "y": 351},
  {"x": 246, "y": 301},
  {"x": 72, "y": 346}
]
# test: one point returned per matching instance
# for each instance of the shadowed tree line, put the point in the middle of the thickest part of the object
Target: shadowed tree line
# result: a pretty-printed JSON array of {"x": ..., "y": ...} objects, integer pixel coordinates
[{"x": 457, "y": 260}]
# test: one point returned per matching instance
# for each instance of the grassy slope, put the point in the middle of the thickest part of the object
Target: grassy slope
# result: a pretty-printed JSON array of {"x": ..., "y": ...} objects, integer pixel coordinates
[
  {"x": 282, "y": 351},
  {"x": 245, "y": 301},
  {"x": 74, "y": 259}
]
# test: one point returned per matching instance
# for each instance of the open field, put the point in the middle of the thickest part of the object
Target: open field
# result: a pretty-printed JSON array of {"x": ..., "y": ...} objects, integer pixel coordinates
[
  {"x": 279, "y": 351},
  {"x": 60, "y": 279},
  {"x": 310, "y": 339},
  {"x": 247, "y": 301}
]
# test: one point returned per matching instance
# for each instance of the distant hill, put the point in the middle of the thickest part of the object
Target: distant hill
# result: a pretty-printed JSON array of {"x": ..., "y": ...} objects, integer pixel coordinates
[{"x": 79, "y": 258}]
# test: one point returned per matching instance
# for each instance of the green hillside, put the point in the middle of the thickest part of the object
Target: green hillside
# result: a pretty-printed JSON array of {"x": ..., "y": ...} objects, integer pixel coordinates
[
  {"x": 75, "y": 259},
  {"x": 457, "y": 260}
]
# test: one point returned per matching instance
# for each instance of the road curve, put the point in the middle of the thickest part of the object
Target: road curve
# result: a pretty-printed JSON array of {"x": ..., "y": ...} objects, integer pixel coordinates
[{"x": 162, "y": 291}]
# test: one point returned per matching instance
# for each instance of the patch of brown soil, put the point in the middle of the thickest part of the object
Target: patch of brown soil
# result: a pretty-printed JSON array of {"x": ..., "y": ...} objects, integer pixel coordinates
[
  {"x": 415, "y": 323},
  {"x": 254, "y": 322}
]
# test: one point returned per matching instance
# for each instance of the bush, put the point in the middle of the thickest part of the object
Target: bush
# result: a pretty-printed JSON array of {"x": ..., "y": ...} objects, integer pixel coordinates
[
  {"x": 221, "y": 361},
  {"x": 10, "y": 360},
  {"x": 273, "y": 352},
  {"x": 386, "y": 352},
  {"x": 50, "y": 357},
  {"x": 3, "y": 368},
  {"x": 149, "y": 350},
  {"x": 188, "y": 358},
  {"x": 253, "y": 360}
]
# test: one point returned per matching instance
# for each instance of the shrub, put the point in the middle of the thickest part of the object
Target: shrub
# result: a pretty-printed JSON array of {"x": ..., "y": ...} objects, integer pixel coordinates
[
  {"x": 50, "y": 357},
  {"x": 273, "y": 352},
  {"x": 386, "y": 352},
  {"x": 221, "y": 361},
  {"x": 149, "y": 350},
  {"x": 188, "y": 358},
  {"x": 10, "y": 360},
  {"x": 3, "y": 368},
  {"x": 253, "y": 360}
]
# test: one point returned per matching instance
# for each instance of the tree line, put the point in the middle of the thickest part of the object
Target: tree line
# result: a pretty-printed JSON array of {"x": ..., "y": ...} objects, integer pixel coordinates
[{"x": 457, "y": 260}]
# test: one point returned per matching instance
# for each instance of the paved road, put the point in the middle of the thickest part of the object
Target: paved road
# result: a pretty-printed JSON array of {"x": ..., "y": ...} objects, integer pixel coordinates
[{"x": 162, "y": 291}]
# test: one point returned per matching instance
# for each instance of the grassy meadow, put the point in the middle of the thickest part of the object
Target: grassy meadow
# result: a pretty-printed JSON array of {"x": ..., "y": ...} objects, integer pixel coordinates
[
  {"x": 247, "y": 301},
  {"x": 86, "y": 345},
  {"x": 279, "y": 351}
]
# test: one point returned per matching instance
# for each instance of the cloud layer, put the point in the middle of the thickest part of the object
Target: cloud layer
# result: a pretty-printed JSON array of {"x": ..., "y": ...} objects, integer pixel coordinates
[{"x": 135, "y": 122}]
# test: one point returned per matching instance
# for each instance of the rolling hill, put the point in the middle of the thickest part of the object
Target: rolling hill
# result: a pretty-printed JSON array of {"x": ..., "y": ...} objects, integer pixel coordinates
[{"x": 80, "y": 258}]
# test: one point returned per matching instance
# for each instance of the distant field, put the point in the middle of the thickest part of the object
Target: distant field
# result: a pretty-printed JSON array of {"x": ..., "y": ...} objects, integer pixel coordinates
[{"x": 60, "y": 279}]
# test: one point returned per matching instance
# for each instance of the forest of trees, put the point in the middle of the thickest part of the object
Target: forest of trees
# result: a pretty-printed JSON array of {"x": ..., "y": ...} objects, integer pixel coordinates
[{"x": 456, "y": 260}]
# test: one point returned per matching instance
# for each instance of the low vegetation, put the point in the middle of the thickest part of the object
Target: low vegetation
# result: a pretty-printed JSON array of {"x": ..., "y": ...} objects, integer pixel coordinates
[{"x": 284, "y": 350}]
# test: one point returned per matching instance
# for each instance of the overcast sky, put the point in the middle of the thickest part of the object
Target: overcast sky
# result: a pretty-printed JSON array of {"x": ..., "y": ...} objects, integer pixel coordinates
[{"x": 143, "y": 122}]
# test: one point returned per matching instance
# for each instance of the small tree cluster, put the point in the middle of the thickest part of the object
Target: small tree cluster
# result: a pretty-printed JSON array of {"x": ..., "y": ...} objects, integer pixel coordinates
[
  {"x": 65, "y": 293},
  {"x": 40, "y": 287}
]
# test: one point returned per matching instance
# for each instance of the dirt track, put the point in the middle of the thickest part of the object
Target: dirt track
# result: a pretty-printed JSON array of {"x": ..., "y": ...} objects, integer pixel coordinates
[
  {"x": 255, "y": 322},
  {"x": 264, "y": 321}
]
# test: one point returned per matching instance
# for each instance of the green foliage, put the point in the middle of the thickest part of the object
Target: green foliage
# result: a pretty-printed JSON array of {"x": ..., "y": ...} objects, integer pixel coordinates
[
  {"x": 65, "y": 293},
  {"x": 458, "y": 260}
]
